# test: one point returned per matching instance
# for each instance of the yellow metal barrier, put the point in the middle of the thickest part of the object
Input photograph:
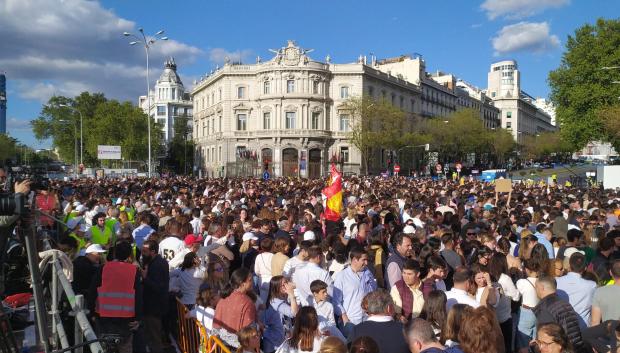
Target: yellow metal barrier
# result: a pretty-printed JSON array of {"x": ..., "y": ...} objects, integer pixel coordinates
[{"x": 193, "y": 336}]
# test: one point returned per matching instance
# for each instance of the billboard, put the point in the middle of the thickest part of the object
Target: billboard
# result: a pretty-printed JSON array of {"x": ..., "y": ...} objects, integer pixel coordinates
[{"x": 108, "y": 152}]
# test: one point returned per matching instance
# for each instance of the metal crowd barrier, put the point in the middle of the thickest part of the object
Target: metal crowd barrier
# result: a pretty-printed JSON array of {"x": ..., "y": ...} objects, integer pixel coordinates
[{"x": 193, "y": 336}]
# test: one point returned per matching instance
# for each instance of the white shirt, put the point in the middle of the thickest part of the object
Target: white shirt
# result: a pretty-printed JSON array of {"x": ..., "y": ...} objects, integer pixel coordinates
[
  {"x": 528, "y": 291},
  {"x": 195, "y": 225},
  {"x": 459, "y": 296},
  {"x": 291, "y": 265},
  {"x": 204, "y": 316},
  {"x": 306, "y": 275},
  {"x": 187, "y": 282},
  {"x": 170, "y": 247}
]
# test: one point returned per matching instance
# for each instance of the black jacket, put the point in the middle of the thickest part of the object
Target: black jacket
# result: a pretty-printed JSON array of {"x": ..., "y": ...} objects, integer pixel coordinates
[
  {"x": 553, "y": 309},
  {"x": 84, "y": 271},
  {"x": 388, "y": 335},
  {"x": 156, "y": 287}
]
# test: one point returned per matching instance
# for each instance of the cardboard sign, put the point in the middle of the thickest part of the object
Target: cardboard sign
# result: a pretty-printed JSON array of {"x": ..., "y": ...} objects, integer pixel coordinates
[{"x": 503, "y": 185}]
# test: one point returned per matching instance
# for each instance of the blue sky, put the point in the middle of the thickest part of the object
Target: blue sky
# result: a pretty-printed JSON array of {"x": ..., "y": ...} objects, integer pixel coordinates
[{"x": 63, "y": 47}]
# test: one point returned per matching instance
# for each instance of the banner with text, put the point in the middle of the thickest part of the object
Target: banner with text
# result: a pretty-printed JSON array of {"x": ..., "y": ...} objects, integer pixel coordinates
[{"x": 108, "y": 152}]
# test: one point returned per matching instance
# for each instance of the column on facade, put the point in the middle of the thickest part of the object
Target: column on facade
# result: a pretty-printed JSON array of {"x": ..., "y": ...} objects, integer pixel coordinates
[
  {"x": 303, "y": 116},
  {"x": 304, "y": 151},
  {"x": 277, "y": 160}
]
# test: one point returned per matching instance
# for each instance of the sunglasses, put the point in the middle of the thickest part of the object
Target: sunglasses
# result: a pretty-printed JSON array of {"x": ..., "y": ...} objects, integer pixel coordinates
[{"x": 471, "y": 233}]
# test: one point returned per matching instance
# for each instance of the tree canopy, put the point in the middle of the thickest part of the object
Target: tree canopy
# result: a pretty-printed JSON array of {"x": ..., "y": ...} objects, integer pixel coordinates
[
  {"x": 105, "y": 122},
  {"x": 583, "y": 86}
]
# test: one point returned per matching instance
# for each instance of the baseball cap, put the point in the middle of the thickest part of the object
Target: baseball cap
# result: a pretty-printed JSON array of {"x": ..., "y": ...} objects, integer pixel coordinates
[
  {"x": 571, "y": 251},
  {"x": 249, "y": 236},
  {"x": 309, "y": 235},
  {"x": 80, "y": 208},
  {"x": 95, "y": 248},
  {"x": 409, "y": 229},
  {"x": 192, "y": 239}
]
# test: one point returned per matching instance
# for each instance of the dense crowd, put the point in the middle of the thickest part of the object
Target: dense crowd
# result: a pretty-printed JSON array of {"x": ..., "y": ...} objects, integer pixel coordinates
[{"x": 413, "y": 265}]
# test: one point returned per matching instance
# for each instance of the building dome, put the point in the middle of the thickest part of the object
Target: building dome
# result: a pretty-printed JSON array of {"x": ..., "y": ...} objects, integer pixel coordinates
[{"x": 170, "y": 73}]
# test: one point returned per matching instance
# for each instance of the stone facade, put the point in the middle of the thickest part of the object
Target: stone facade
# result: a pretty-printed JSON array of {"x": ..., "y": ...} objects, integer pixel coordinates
[
  {"x": 519, "y": 114},
  {"x": 169, "y": 100},
  {"x": 286, "y": 114}
]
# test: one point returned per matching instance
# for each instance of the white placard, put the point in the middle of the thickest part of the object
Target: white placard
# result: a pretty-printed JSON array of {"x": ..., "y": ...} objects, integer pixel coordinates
[{"x": 108, "y": 152}]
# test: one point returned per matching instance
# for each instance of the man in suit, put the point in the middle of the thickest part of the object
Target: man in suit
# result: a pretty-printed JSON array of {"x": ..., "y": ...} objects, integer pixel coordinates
[{"x": 380, "y": 325}]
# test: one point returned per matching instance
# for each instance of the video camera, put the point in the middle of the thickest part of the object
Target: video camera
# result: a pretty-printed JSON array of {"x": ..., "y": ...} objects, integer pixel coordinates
[{"x": 12, "y": 203}]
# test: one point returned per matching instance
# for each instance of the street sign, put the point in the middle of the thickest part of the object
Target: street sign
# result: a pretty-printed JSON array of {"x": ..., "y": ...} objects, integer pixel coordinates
[
  {"x": 438, "y": 167},
  {"x": 459, "y": 166},
  {"x": 266, "y": 175},
  {"x": 396, "y": 168}
]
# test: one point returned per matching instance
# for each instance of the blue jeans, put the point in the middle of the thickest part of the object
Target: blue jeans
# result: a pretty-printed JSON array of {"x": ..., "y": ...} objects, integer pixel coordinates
[{"x": 526, "y": 329}]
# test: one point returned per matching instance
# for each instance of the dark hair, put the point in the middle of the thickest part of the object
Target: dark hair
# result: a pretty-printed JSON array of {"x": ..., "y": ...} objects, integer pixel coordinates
[
  {"x": 577, "y": 262},
  {"x": 357, "y": 252},
  {"x": 364, "y": 344},
  {"x": 461, "y": 275},
  {"x": 573, "y": 234},
  {"x": 412, "y": 265},
  {"x": 122, "y": 251},
  {"x": 434, "y": 309},
  {"x": 188, "y": 261},
  {"x": 504, "y": 245},
  {"x": 266, "y": 244},
  {"x": 237, "y": 278},
  {"x": 305, "y": 330},
  {"x": 317, "y": 285},
  {"x": 275, "y": 284},
  {"x": 314, "y": 251},
  {"x": 498, "y": 265},
  {"x": 152, "y": 245},
  {"x": 615, "y": 268},
  {"x": 398, "y": 239},
  {"x": 557, "y": 334}
]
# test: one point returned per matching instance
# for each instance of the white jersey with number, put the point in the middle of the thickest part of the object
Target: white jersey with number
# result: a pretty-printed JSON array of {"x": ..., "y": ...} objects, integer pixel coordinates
[{"x": 170, "y": 247}]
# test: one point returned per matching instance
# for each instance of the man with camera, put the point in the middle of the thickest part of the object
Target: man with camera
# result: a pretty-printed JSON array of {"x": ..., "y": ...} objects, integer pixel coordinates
[{"x": 22, "y": 187}]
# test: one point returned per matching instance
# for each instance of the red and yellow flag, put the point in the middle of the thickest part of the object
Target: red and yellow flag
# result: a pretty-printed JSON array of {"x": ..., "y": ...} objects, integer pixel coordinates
[{"x": 332, "y": 195}]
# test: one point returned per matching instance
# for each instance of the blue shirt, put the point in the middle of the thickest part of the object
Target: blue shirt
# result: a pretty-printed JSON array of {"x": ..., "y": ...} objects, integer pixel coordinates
[
  {"x": 543, "y": 240},
  {"x": 349, "y": 290},
  {"x": 277, "y": 313},
  {"x": 579, "y": 293}
]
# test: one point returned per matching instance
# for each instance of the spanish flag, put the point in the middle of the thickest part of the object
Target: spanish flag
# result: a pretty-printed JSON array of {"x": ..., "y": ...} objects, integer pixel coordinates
[{"x": 332, "y": 195}]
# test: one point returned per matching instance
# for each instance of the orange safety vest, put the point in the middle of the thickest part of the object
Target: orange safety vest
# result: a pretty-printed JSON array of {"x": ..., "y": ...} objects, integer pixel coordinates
[{"x": 116, "y": 297}]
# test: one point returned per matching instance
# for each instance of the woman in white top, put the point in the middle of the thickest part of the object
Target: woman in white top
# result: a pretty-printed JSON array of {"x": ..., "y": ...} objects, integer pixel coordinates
[
  {"x": 204, "y": 311},
  {"x": 526, "y": 328},
  {"x": 483, "y": 289},
  {"x": 262, "y": 267},
  {"x": 188, "y": 278},
  {"x": 306, "y": 337},
  {"x": 498, "y": 268}
]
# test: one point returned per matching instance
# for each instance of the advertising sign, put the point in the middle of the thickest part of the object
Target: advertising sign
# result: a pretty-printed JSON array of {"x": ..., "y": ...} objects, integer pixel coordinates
[{"x": 108, "y": 152}]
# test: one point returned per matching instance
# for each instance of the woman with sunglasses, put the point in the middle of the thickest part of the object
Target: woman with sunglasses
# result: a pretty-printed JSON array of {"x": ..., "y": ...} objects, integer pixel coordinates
[{"x": 551, "y": 338}]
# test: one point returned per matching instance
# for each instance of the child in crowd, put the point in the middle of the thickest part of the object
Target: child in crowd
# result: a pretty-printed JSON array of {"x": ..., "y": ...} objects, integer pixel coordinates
[
  {"x": 324, "y": 309},
  {"x": 204, "y": 311},
  {"x": 249, "y": 340}
]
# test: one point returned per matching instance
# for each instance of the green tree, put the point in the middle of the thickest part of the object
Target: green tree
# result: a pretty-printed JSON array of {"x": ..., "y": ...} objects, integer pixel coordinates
[
  {"x": 105, "y": 122},
  {"x": 376, "y": 124},
  {"x": 501, "y": 143},
  {"x": 181, "y": 146},
  {"x": 8, "y": 147},
  {"x": 581, "y": 87},
  {"x": 610, "y": 118}
]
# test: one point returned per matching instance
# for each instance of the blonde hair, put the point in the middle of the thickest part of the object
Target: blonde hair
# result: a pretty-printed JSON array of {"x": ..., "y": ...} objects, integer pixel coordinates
[
  {"x": 332, "y": 344},
  {"x": 245, "y": 246},
  {"x": 244, "y": 335}
]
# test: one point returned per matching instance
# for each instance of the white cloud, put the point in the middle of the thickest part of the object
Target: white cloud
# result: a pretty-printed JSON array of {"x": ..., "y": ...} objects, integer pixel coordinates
[
  {"x": 525, "y": 36},
  {"x": 220, "y": 55},
  {"x": 518, "y": 9},
  {"x": 68, "y": 46},
  {"x": 14, "y": 124}
]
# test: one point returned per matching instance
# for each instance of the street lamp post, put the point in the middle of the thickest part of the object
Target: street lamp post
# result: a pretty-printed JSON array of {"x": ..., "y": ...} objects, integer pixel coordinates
[
  {"x": 75, "y": 167},
  {"x": 147, "y": 42},
  {"x": 81, "y": 131}
]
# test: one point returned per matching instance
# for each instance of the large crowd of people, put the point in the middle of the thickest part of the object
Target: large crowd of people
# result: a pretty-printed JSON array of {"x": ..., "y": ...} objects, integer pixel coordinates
[{"x": 413, "y": 265}]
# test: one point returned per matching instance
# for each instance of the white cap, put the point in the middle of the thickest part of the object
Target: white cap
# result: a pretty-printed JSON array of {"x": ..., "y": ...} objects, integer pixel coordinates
[
  {"x": 309, "y": 235},
  {"x": 76, "y": 203},
  {"x": 409, "y": 229},
  {"x": 95, "y": 248},
  {"x": 80, "y": 208},
  {"x": 571, "y": 251},
  {"x": 119, "y": 201},
  {"x": 249, "y": 236},
  {"x": 73, "y": 222}
]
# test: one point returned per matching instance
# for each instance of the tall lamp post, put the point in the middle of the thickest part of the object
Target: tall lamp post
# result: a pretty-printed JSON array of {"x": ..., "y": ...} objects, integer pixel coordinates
[
  {"x": 147, "y": 42},
  {"x": 81, "y": 130},
  {"x": 75, "y": 168}
]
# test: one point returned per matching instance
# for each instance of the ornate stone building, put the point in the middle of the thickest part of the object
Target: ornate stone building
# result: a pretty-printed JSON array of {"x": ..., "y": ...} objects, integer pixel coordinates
[{"x": 287, "y": 114}]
